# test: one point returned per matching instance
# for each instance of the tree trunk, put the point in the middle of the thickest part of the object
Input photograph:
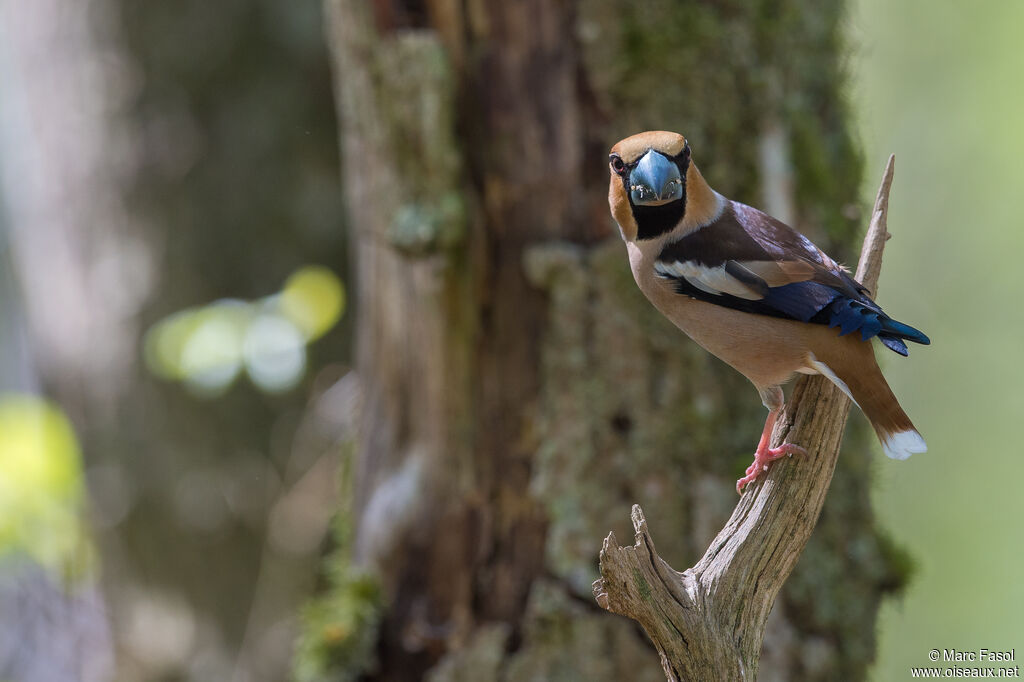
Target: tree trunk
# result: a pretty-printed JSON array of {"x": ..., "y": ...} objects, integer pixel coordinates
[{"x": 519, "y": 393}]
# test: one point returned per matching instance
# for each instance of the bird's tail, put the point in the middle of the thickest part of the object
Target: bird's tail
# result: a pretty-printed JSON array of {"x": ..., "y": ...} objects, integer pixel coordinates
[
  {"x": 893, "y": 334},
  {"x": 864, "y": 383}
]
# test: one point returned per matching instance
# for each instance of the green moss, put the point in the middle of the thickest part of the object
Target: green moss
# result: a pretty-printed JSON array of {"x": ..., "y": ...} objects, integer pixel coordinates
[
  {"x": 339, "y": 630},
  {"x": 642, "y": 586}
]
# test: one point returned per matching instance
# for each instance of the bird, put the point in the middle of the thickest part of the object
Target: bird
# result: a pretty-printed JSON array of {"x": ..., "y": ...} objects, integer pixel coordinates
[{"x": 753, "y": 291}]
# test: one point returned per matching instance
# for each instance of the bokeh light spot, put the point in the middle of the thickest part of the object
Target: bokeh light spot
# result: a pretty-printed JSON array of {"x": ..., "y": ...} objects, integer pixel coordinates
[
  {"x": 211, "y": 357},
  {"x": 164, "y": 343},
  {"x": 313, "y": 298},
  {"x": 275, "y": 353},
  {"x": 41, "y": 486},
  {"x": 206, "y": 348}
]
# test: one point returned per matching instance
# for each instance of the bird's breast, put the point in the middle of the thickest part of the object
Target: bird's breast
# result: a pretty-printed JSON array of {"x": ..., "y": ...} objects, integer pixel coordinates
[{"x": 767, "y": 350}]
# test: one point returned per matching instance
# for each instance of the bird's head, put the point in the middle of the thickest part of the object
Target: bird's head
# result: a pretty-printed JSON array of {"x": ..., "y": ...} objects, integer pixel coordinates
[{"x": 653, "y": 184}]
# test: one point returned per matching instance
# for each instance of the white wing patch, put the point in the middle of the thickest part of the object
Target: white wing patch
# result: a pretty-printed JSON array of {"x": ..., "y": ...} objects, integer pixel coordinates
[{"x": 715, "y": 281}]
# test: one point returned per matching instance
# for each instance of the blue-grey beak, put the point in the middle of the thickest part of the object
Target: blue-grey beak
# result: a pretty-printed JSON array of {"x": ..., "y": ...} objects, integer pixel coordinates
[{"x": 655, "y": 181}]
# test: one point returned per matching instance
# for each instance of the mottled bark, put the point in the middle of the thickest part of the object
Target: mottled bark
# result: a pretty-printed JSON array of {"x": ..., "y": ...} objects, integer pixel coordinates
[{"x": 520, "y": 393}]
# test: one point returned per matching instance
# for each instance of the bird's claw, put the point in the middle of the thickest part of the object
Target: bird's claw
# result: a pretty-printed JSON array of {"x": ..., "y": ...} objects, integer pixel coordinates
[{"x": 763, "y": 458}]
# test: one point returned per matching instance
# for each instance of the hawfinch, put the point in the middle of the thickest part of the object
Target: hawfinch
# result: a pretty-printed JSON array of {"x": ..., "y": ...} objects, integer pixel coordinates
[{"x": 752, "y": 291}]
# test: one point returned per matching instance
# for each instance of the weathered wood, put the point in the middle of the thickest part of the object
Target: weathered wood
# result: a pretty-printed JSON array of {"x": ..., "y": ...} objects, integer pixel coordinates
[{"x": 708, "y": 622}]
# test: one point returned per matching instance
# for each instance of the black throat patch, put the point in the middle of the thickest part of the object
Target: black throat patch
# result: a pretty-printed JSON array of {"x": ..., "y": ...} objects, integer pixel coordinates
[{"x": 654, "y": 221}]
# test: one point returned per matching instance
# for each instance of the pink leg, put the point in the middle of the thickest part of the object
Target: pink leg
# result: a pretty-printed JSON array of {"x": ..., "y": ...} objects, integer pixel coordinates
[{"x": 764, "y": 454}]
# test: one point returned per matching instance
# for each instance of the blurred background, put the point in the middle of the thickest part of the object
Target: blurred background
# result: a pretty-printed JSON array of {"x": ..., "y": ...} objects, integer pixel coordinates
[
  {"x": 930, "y": 86},
  {"x": 171, "y": 311},
  {"x": 196, "y": 485}
]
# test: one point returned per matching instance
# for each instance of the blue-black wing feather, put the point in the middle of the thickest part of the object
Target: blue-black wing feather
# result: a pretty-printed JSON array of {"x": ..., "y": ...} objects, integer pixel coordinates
[{"x": 827, "y": 296}]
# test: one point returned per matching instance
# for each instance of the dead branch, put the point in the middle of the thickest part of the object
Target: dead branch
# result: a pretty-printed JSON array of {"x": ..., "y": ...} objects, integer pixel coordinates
[{"x": 708, "y": 622}]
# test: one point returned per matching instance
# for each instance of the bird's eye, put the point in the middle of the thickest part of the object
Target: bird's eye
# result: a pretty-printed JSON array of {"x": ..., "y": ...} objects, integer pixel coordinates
[{"x": 618, "y": 165}]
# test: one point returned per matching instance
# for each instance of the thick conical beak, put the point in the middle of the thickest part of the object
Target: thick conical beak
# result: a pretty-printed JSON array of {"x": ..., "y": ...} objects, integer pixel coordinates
[{"x": 655, "y": 181}]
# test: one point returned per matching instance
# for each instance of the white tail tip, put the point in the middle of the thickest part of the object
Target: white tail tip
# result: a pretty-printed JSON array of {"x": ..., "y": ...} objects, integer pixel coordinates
[{"x": 904, "y": 444}]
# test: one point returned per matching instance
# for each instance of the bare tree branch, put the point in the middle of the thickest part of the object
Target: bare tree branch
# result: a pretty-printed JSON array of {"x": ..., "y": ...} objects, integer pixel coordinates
[{"x": 708, "y": 622}]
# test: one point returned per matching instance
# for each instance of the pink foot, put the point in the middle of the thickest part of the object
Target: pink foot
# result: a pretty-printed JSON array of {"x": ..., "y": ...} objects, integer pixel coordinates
[{"x": 762, "y": 458}]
